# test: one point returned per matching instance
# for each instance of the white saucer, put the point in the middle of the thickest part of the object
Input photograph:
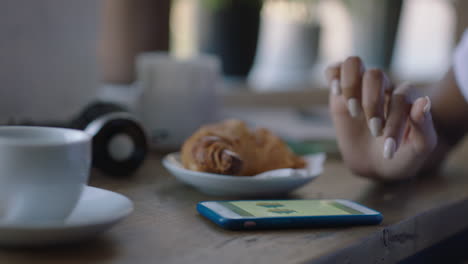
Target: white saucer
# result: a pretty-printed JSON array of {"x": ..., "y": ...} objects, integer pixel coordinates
[
  {"x": 96, "y": 211},
  {"x": 240, "y": 186}
]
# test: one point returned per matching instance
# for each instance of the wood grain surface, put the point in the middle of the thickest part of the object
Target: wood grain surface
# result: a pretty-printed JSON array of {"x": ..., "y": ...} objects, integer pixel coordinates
[{"x": 165, "y": 227}]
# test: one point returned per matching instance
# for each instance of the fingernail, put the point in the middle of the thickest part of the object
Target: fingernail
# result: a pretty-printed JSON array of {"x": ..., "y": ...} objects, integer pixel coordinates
[
  {"x": 375, "y": 126},
  {"x": 353, "y": 107},
  {"x": 335, "y": 87},
  {"x": 428, "y": 105},
  {"x": 389, "y": 148}
]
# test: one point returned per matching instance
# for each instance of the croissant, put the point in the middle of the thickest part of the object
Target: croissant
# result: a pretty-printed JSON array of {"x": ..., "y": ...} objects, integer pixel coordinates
[{"x": 231, "y": 148}]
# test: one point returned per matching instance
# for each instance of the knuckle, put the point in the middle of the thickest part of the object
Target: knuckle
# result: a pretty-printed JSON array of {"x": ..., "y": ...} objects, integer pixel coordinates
[
  {"x": 372, "y": 100},
  {"x": 370, "y": 103},
  {"x": 338, "y": 108},
  {"x": 390, "y": 128},
  {"x": 350, "y": 87},
  {"x": 374, "y": 74},
  {"x": 401, "y": 101},
  {"x": 353, "y": 61}
]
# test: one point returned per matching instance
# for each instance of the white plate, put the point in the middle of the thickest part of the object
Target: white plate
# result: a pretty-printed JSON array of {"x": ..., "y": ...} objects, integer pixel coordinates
[
  {"x": 96, "y": 211},
  {"x": 241, "y": 186}
]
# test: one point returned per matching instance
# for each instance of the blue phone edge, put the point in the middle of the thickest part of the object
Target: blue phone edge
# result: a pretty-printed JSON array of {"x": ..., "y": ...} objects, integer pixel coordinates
[{"x": 289, "y": 222}]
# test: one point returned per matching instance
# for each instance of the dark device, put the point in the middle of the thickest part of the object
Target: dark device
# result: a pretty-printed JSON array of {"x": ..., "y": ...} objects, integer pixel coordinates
[{"x": 119, "y": 140}]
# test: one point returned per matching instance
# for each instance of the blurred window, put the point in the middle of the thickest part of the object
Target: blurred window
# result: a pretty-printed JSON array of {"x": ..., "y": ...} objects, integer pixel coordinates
[{"x": 422, "y": 51}]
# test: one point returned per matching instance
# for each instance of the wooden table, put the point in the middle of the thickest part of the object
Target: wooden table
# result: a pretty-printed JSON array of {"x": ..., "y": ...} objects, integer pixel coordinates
[{"x": 165, "y": 228}]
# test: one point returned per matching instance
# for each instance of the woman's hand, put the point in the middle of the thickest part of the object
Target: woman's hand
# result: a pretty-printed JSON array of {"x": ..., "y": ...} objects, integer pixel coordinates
[{"x": 383, "y": 132}]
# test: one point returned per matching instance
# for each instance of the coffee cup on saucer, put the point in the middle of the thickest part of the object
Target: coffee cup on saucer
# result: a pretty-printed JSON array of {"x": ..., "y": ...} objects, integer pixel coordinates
[{"x": 43, "y": 171}]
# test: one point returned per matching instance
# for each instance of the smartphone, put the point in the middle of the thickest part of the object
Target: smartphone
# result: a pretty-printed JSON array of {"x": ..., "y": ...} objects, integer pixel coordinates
[{"x": 274, "y": 214}]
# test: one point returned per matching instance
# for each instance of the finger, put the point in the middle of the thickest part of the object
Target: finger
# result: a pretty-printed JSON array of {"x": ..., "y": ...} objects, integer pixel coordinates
[
  {"x": 423, "y": 137},
  {"x": 337, "y": 104},
  {"x": 374, "y": 86},
  {"x": 332, "y": 74},
  {"x": 399, "y": 109},
  {"x": 351, "y": 75}
]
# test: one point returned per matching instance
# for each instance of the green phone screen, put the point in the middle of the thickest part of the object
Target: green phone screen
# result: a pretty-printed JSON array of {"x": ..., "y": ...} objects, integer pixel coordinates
[{"x": 288, "y": 208}]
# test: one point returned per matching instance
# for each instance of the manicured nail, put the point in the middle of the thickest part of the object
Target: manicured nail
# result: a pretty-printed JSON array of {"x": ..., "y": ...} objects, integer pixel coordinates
[
  {"x": 389, "y": 148},
  {"x": 428, "y": 105},
  {"x": 353, "y": 107},
  {"x": 335, "y": 87},
  {"x": 375, "y": 126}
]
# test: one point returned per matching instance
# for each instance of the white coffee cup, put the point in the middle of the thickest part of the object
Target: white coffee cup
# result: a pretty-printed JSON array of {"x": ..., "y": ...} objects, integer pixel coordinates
[
  {"x": 43, "y": 171},
  {"x": 177, "y": 97}
]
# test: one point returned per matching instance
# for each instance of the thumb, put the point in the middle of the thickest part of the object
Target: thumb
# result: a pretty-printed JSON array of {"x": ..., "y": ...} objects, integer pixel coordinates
[{"x": 423, "y": 135}]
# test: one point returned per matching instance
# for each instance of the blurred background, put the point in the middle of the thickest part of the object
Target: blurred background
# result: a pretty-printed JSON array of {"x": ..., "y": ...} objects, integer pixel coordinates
[{"x": 55, "y": 55}]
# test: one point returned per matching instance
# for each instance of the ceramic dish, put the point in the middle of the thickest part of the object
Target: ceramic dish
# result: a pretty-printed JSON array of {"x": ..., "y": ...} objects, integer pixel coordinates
[
  {"x": 270, "y": 183},
  {"x": 97, "y": 211}
]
